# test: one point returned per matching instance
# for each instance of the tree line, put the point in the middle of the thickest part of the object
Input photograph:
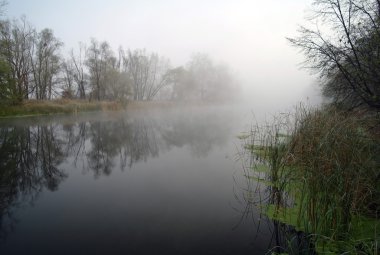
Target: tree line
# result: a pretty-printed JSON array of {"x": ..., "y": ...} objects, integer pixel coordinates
[{"x": 32, "y": 67}]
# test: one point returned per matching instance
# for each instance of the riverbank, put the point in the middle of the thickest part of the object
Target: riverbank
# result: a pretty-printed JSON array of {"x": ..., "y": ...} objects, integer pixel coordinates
[
  {"x": 321, "y": 169},
  {"x": 66, "y": 106},
  {"x": 60, "y": 106}
]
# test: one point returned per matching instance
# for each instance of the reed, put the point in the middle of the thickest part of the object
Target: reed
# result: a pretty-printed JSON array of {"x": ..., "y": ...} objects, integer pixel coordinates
[
  {"x": 337, "y": 159},
  {"x": 324, "y": 176}
]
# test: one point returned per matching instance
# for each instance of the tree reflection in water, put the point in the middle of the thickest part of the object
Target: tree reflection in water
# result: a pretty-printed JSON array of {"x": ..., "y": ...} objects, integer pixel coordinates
[
  {"x": 32, "y": 152},
  {"x": 30, "y": 157}
]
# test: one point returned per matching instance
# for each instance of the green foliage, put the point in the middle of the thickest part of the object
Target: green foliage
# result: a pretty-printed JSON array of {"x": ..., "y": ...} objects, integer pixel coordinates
[{"x": 8, "y": 94}]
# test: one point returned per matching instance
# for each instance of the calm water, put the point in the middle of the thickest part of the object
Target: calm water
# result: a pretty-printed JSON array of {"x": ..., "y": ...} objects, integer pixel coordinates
[{"x": 139, "y": 182}]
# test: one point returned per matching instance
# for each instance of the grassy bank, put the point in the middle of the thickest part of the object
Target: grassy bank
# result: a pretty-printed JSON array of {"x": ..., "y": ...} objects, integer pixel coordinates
[
  {"x": 65, "y": 106},
  {"x": 322, "y": 172},
  {"x": 34, "y": 107}
]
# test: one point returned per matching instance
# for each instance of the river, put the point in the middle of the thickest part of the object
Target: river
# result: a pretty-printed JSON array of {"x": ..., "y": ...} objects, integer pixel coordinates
[{"x": 143, "y": 181}]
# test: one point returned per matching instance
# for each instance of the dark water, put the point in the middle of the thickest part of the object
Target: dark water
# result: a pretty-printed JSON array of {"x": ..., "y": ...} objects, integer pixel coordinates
[{"x": 139, "y": 182}]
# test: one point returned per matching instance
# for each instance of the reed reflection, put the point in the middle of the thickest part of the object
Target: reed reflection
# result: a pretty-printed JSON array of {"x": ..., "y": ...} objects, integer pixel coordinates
[{"x": 256, "y": 191}]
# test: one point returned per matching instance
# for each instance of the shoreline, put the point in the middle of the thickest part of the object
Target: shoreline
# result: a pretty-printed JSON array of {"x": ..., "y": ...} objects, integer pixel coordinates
[{"x": 30, "y": 108}]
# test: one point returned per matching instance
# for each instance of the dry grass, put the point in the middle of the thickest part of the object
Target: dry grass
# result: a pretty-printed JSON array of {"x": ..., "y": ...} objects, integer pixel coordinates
[{"x": 37, "y": 107}]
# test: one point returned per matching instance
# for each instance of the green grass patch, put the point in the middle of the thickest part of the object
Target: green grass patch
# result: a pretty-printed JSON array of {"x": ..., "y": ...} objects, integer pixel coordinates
[{"x": 362, "y": 237}]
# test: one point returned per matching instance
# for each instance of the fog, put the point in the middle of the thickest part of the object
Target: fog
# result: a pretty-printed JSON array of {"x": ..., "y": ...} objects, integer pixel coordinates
[
  {"x": 248, "y": 36},
  {"x": 153, "y": 179}
]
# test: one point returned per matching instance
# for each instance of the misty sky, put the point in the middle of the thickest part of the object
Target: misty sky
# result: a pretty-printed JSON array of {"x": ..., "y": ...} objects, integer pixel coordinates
[{"x": 248, "y": 35}]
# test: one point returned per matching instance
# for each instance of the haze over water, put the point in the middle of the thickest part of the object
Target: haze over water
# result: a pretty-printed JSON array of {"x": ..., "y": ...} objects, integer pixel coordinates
[
  {"x": 141, "y": 182},
  {"x": 164, "y": 180}
]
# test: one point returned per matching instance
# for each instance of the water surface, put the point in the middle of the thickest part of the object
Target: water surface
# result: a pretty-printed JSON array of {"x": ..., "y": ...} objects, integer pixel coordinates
[{"x": 163, "y": 181}]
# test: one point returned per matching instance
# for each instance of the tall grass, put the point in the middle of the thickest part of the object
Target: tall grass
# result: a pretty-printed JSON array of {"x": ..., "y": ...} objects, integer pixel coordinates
[{"x": 323, "y": 170}]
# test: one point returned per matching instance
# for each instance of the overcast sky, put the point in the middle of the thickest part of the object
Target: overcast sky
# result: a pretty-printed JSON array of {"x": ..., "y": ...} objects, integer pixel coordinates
[{"x": 248, "y": 35}]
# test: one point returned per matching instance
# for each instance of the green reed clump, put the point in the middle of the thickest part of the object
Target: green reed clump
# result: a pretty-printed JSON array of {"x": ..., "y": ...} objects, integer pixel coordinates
[
  {"x": 323, "y": 176},
  {"x": 336, "y": 158},
  {"x": 268, "y": 146}
]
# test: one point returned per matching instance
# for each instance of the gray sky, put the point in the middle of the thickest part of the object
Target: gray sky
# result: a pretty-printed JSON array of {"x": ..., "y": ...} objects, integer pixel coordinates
[{"x": 248, "y": 35}]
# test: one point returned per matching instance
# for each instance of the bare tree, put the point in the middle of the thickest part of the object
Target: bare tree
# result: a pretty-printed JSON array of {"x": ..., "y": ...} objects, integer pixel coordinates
[
  {"x": 201, "y": 71},
  {"x": 344, "y": 49},
  {"x": 201, "y": 79},
  {"x": 79, "y": 74},
  {"x": 46, "y": 64},
  {"x": 159, "y": 75},
  {"x": 148, "y": 73},
  {"x": 118, "y": 84},
  {"x": 93, "y": 63},
  {"x": 176, "y": 77},
  {"x": 68, "y": 79},
  {"x": 98, "y": 59}
]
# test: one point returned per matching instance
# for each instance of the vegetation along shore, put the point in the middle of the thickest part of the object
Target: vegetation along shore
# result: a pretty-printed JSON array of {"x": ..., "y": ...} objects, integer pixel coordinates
[
  {"x": 321, "y": 166},
  {"x": 61, "y": 106}
]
